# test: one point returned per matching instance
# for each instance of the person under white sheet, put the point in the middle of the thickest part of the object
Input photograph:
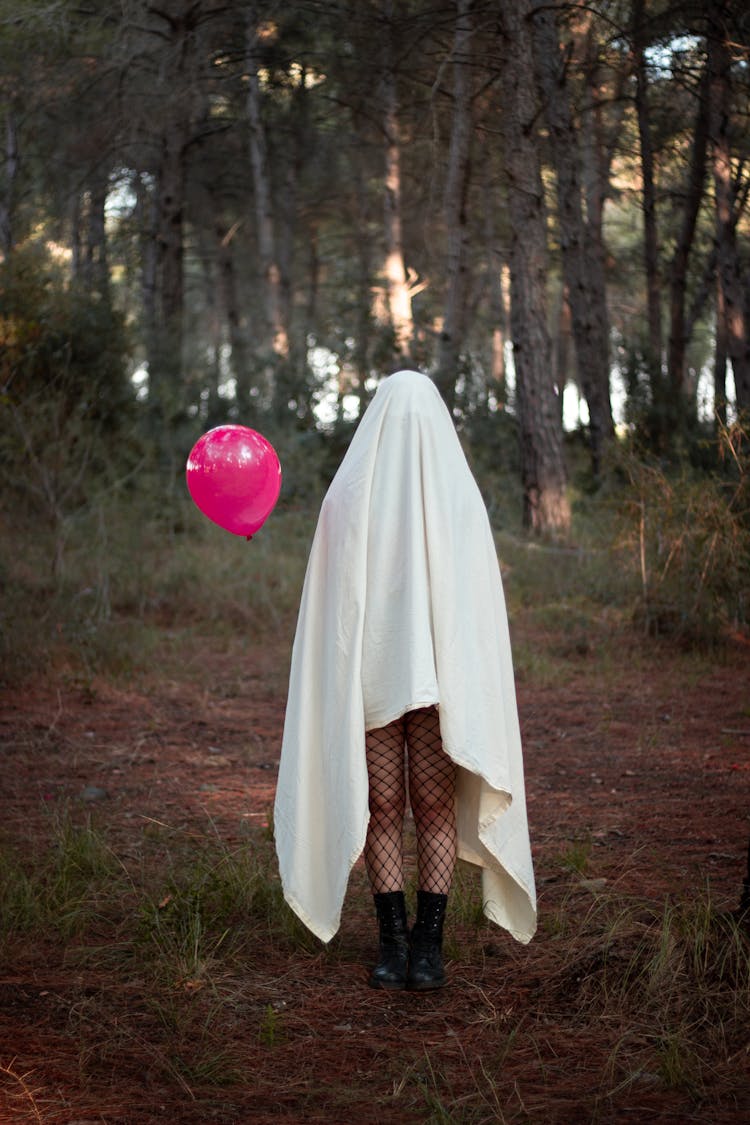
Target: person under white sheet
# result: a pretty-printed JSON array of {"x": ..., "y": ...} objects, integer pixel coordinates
[{"x": 402, "y": 678}]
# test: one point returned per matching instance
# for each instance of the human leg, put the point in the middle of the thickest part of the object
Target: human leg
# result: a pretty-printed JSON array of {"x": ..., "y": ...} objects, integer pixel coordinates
[
  {"x": 384, "y": 847},
  {"x": 384, "y": 749},
  {"x": 432, "y": 791}
]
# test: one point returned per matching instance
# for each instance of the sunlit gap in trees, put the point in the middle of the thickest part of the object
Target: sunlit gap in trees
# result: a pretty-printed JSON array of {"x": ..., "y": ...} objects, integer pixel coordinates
[
  {"x": 331, "y": 406},
  {"x": 661, "y": 56}
]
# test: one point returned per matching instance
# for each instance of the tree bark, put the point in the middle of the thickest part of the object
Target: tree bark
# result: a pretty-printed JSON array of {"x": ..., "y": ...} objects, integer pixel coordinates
[
  {"x": 277, "y": 337},
  {"x": 8, "y": 201},
  {"x": 582, "y": 269},
  {"x": 455, "y": 208},
  {"x": 147, "y": 214},
  {"x": 398, "y": 294},
  {"x": 735, "y": 311},
  {"x": 96, "y": 266},
  {"x": 228, "y": 287},
  {"x": 364, "y": 283},
  {"x": 678, "y": 337},
  {"x": 720, "y": 359},
  {"x": 650, "y": 238},
  {"x": 600, "y": 134},
  {"x": 166, "y": 391},
  {"x": 497, "y": 270},
  {"x": 546, "y": 506},
  {"x": 169, "y": 263}
]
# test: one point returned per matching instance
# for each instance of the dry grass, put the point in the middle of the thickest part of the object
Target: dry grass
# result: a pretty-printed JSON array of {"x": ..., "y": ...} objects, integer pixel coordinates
[
  {"x": 150, "y": 945},
  {"x": 190, "y": 965}
]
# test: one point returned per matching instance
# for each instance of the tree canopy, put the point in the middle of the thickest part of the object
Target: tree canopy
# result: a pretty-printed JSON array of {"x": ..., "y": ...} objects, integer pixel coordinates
[{"x": 279, "y": 204}]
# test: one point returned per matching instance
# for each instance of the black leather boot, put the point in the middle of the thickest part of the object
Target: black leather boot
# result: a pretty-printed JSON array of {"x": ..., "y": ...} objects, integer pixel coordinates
[
  {"x": 426, "y": 943},
  {"x": 391, "y": 969}
]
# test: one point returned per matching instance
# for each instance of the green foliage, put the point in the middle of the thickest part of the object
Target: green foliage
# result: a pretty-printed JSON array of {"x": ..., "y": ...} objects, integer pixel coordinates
[
  {"x": 62, "y": 891},
  {"x": 183, "y": 906},
  {"x": 688, "y": 538},
  {"x": 271, "y": 1030},
  {"x": 141, "y": 572},
  {"x": 576, "y": 855},
  {"x": 66, "y": 406}
]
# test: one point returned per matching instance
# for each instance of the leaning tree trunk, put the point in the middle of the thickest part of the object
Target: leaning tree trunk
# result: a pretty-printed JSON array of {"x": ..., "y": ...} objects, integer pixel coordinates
[
  {"x": 735, "y": 310},
  {"x": 546, "y": 507},
  {"x": 582, "y": 269},
  {"x": 456, "y": 221}
]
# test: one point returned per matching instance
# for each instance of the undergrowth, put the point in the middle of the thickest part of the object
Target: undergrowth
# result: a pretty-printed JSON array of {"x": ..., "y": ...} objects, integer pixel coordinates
[
  {"x": 655, "y": 994},
  {"x": 663, "y": 548},
  {"x": 659, "y": 991}
]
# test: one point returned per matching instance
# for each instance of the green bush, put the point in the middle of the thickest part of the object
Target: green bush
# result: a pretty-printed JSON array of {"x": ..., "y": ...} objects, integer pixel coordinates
[
  {"x": 688, "y": 538},
  {"x": 65, "y": 400}
]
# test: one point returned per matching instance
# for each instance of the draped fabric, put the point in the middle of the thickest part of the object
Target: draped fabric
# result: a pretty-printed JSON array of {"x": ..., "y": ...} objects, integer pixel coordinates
[{"x": 402, "y": 607}]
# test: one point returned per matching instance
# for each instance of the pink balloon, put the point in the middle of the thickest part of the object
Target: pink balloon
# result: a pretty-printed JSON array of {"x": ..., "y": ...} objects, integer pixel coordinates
[{"x": 234, "y": 476}]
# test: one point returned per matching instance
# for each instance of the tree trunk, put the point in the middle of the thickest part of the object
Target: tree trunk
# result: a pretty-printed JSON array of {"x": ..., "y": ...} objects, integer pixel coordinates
[
  {"x": 459, "y": 163},
  {"x": 8, "y": 201},
  {"x": 720, "y": 360},
  {"x": 291, "y": 375},
  {"x": 582, "y": 270},
  {"x": 166, "y": 379},
  {"x": 397, "y": 290},
  {"x": 277, "y": 337},
  {"x": 546, "y": 506},
  {"x": 364, "y": 280},
  {"x": 561, "y": 348},
  {"x": 600, "y": 136},
  {"x": 75, "y": 237},
  {"x": 96, "y": 266},
  {"x": 735, "y": 311},
  {"x": 497, "y": 270},
  {"x": 650, "y": 240},
  {"x": 212, "y": 335},
  {"x": 228, "y": 287},
  {"x": 678, "y": 338},
  {"x": 147, "y": 205}
]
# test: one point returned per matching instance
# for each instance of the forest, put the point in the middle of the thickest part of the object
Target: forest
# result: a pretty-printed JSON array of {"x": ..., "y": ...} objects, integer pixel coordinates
[
  {"x": 250, "y": 211},
  {"x": 224, "y": 209}
]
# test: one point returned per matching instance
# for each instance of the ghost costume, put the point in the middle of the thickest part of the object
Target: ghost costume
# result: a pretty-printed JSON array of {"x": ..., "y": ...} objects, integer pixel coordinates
[{"x": 402, "y": 608}]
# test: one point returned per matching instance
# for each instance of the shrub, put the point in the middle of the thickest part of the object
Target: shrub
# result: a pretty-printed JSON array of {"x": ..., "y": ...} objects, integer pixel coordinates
[
  {"x": 689, "y": 540},
  {"x": 65, "y": 395}
]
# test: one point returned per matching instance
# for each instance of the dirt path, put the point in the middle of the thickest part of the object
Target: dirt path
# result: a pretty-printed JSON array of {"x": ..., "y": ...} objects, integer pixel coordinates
[{"x": 637, "y": 778}]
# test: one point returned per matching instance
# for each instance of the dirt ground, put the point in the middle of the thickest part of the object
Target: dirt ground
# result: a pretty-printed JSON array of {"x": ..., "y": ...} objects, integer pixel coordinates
[{"x": 645, "y": 767}]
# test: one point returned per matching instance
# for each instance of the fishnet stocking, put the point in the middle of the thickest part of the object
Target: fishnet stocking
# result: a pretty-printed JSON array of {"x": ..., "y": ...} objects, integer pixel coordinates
[
  {"x": 432, "y": 791},
  {"x": 384, "y": 847},
  {"x": 432, "y": 782}
]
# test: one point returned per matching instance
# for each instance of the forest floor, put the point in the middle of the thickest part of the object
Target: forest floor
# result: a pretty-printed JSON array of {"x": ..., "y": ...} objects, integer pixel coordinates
[{"x": 638, "y": 782}]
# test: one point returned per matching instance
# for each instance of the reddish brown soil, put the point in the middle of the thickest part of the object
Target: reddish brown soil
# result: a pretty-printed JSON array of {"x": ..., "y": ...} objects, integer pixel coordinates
[{"x": 647, "y": 765}]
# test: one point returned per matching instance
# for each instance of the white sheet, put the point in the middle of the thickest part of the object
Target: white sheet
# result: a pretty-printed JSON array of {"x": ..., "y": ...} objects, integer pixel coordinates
[{"x": 402, "y": 607}]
